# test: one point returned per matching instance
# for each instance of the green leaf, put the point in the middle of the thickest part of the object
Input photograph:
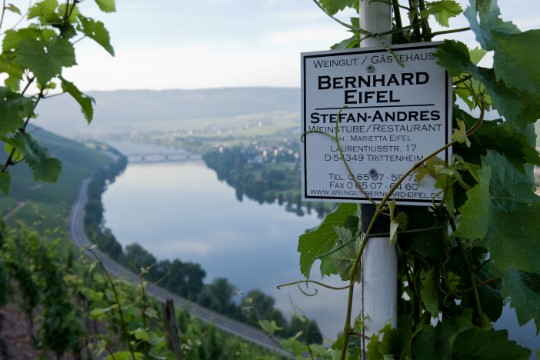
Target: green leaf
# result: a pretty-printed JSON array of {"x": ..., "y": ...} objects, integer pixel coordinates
[
  {"x": 43, "y": 166},
  {"x": 523, "y": 289},
  {"x": 96, "y": 30},
  {"x": 460, "y": 134},
  {"x": 474, "y": 221},
  {"x": 444, "y": 10},
  {"x": 86, "y": 102},
  {"x": 333, "y": 6},
  {"x": 397, "y": 222},
  {"x": 350, "y": 43},
  {"x": 484, "y": 18},
  {"x": 14, "y": 107},
  {"x": 46, "y": 60},
  {"x": 269, "y": 326},
  {"x": 502, "y": 137},
  {"x": 520, "y": 108},
  {"x": 5, "y": 182},
  {"x": 512, "y": 60},
  {"x": 513, "y": 239},
  {"x": 45, "y": 11},
  {"x": 321, "y": 240},
  {"x": 395, "y": 342},
  {"x": 343, "y": 259},
  {"x": 13, "y": 9},
  {"x": 107, "y": 6},
  {"x": 488, "y": 345},
  {"x": 504, "y": 211},
  {"x": 436, "y": 343},
  {"x": 430, "y": 293},
  {"x": 141, "y": 334},
  {"x": 126, "y": 355},
  {"x": 151, "y": 313},
  {"x": 513, "y": 49}
]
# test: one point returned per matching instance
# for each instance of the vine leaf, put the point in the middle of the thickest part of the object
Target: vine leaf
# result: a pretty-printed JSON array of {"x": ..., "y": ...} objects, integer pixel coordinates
[
  {"x": 437, "y": 342},
  {"x": 45, "y": 11},
  {"x": 519, "y": 107},
  {"x": 13, "y": 108},
  {"x": 503, "y": 211},
  {"x": 46, "y": 60},
  {"x": 488, "y": 345},
  {"x": 430, "y": 293},
  {"x": 342, "y": 260},
  {"x": 524, "y": 291},
  {"x": 513, "y": 49},
  {"x": 5, "y": 182},
  {"x": 513, "y": 143},
  {"x": 397, "y": 221},
  {"x": 333, "y": 6},
  {"x": 44, "y": 167},
  {"x": 460, "y": 134},
  {"x": 106, "y": 6},
  {"x": 396, "y": 342},
  {"x": 444, "y": 10},
  {"x": 85, "y": 102},
  {"x": 13, "y": 8},
  {"x": 490, "y": 22},
  {"x": 475, "y": 219},
  {"x": 322, "y": 239},
  {"x": 96, "y": 30}
]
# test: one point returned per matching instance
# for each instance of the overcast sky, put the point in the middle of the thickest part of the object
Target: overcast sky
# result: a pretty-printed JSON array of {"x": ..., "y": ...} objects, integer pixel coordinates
[{"x": 175, "y": 44}]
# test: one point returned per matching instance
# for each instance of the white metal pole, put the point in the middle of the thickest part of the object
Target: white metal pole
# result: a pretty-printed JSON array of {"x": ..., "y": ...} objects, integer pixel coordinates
[{"x": 379, "y": 275}]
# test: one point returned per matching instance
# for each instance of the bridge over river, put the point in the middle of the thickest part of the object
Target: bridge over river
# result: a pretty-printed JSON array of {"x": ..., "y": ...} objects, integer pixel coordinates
[{"x": 160, "y": 157}]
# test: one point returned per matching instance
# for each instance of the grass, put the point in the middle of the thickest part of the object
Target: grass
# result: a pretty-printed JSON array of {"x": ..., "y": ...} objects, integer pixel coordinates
[{"x": 49, "y": 203}]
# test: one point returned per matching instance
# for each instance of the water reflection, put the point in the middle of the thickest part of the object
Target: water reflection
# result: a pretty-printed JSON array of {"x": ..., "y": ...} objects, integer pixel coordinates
[{"x": 183, "y": 211}]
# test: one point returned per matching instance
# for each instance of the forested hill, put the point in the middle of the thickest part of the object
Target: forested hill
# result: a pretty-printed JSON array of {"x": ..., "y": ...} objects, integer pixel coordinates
[{"x": 126, "y": 111}]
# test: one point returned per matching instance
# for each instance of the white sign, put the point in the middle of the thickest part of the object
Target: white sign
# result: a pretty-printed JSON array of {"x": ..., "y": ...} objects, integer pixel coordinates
[{"x": 385, "y": 117}]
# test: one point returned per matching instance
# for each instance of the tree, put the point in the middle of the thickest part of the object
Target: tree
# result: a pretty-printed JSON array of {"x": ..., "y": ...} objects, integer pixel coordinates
[
  {"x": 258, "y": 306},
  {"x": 462, "y": 258},
  {"x": 138, "y": 257},
  {"x": 219, "y": 296},
  {"x": 184, "y": 279},
  {"x": 33, "y": 58},
  {"x": 305, "y": 330}
]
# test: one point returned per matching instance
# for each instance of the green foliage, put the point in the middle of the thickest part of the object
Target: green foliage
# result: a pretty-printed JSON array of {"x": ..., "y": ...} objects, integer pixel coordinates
[
  {"x": 318, "y": 242},
  {"x": 265, "y": 173},
  {"x": 83, "y": 309},
  {"x": 34, "y": 56},
  {"x": 333, "y": 6},
  {"x": 461, "y": 260}
]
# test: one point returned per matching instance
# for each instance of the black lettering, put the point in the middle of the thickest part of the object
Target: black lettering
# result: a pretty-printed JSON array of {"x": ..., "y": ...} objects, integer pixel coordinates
[{"x": 324, "y": 82}]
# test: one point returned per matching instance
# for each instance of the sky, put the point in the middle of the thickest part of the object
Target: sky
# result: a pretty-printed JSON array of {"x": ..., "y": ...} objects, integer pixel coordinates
[{"x": 175, "y": 44}]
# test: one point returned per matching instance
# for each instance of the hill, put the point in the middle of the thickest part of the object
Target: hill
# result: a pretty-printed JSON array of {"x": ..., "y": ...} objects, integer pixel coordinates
[
  {"x": 49, "y": 203},
  {"x": 127, "y": 111}
]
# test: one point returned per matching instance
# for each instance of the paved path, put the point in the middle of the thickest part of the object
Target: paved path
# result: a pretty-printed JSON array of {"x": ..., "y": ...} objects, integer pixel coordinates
[{"x": 224, "y": 323}]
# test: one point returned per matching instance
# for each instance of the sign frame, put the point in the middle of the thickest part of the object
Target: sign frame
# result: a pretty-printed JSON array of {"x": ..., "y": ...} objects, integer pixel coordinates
[{"x": 386, "y": 115}]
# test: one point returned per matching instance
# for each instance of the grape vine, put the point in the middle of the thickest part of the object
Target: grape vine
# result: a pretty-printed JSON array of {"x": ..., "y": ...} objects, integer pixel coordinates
[
  {"x": 37, "y": 45},
  {"x": 463, "y": 259}
]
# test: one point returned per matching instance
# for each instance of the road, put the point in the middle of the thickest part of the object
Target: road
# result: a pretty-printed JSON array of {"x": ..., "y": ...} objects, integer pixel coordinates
[{"x": 224, "y": 323}]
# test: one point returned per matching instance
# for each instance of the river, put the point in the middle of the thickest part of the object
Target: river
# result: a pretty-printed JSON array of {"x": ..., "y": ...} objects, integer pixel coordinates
[{"x": 181, "y": 210}]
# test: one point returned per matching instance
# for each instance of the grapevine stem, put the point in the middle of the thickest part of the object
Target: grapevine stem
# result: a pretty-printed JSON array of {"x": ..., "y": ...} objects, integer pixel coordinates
[
  {"x": 474, "y": 286},
  {"x": 312, "y": 282},
  {"x": 470, "y": 270},
  {"x": 444, "y": 32},
  {"x": 117, "y": 299},
  {"x": 378, "y": 210},
  {"x": 483, "y": 283},
  {"x": 3, "y": 13}
]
